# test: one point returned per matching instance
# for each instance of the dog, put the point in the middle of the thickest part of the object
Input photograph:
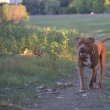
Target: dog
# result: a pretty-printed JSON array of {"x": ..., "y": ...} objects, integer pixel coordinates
[{"x": 90, "y": 52}]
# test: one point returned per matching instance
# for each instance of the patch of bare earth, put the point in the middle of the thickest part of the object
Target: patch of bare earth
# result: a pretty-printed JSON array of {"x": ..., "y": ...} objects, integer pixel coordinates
[{"x": 67, "y": 97}]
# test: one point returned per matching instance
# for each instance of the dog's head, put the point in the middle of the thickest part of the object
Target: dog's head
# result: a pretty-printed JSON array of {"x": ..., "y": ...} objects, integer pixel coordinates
[{"x": 84, "y": 46}]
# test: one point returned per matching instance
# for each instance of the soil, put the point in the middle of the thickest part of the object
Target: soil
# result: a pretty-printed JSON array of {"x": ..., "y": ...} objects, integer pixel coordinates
[
  {"x": 69, "y": 98},
  {"x": 66, "y": 96}
]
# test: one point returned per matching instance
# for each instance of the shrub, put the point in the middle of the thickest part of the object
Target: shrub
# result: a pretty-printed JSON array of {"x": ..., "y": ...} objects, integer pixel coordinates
[
  {"x": 15, "y": 39},
  {"x": 13, "y": 13}
]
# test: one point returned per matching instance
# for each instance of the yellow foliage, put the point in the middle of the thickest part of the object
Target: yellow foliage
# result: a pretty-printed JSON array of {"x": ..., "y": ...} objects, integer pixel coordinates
[
  {"x": 107, "y": 2},
  {"x": 14, "y": 13}
]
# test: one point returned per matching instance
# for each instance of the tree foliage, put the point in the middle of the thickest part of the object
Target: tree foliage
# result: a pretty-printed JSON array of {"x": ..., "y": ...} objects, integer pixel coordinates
[
  {"x": 87, "y": 6},
  {"x": 98, "y": 6},
  {"x": 107, "y": 2},
  {"x": 35, "y": 6},
  {"x": 65, "y": 6},
  {"x": 13, "y": 13},
  {"x": 52, "y": 7}
]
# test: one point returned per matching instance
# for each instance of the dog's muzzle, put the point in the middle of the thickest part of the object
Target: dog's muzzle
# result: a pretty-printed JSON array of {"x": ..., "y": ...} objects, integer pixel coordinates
[
  {"x": 82, "y": 51},
  {"x": 83, "y": 54}
]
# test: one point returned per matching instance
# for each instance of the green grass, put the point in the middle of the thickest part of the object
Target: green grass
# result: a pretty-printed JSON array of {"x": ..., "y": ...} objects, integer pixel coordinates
[
  {"x": 93, "y": 25},
  {"x": 19, "y": 70},
  {"x": 20, "y": 76}
]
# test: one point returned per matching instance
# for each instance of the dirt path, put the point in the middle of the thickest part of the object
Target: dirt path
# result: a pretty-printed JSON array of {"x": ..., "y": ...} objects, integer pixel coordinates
[
  {"x": 69, "y": 98},
  {"x": 66, "y": 96}
]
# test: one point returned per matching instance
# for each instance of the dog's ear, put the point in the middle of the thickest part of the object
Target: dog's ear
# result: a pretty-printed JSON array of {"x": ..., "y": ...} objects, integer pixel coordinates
[{"x": 91, "y": 39}]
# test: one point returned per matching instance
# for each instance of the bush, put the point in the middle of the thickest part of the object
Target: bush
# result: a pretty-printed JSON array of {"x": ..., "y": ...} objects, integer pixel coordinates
[
  {"x": 14, "y": 39},
  {"x": 13, "y": 13}
]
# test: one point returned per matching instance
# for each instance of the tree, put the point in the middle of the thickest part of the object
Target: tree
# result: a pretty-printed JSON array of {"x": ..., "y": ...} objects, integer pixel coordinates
[
  {"x": 86, "y": 6},
  {"x": 64, "y": 3},
  {"x": 79, "y": 5},
  {"x": 64, "y": 6},
  {"x": 35, "y": 6},
  {"x": 107, "y": 2},
  {"x": 98, "y": 6},
  {"x": 107, "y": 6},
  {"x": 13, "y": 13},
  {"x": 52, "y": 7}
]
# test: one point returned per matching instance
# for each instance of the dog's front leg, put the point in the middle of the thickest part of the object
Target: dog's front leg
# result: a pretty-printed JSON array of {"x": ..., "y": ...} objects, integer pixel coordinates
[
  {"x": 81, "y": 78},
  {"x": 93, "y": 78}
]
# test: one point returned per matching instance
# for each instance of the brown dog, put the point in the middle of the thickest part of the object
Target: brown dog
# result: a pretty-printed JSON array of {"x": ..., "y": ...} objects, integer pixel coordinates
[{"x": 89, "y": 53}]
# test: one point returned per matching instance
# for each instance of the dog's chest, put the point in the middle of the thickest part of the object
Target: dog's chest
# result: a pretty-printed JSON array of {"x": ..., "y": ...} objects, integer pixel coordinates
[{"x": 87, "y": 62}]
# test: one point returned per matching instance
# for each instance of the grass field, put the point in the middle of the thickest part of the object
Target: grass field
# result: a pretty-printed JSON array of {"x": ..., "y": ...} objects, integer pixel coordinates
[
  {"x": 19, "y": 76},
  {"x": 21, "y": 70},
  {"x": 93, "y": 25}
]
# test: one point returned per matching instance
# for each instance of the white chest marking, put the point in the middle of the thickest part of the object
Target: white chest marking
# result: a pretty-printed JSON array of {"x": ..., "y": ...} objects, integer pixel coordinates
[{"x": 88, "y": 62}]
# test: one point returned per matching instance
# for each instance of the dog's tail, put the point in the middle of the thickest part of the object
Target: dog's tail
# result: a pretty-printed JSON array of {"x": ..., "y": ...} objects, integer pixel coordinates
[{"x": 104, "y": 40}]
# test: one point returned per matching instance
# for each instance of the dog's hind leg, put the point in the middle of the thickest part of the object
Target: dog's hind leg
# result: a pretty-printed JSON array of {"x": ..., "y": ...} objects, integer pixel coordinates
[
  {"x": 91, "y": 82},
  {"x": 95, "y": 74},
  {"x": 102, "y": 64}
]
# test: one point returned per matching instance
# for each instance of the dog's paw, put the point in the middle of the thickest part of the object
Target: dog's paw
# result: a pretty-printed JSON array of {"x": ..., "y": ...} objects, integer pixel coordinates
[
  {"x": 99, "y": 86},
  {"x": 90, "y": 87},
  {"x": 81, "y": 91}
]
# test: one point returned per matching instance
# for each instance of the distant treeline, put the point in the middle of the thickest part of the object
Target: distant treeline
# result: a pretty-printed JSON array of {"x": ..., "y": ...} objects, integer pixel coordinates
[{"x": 65, "y": 6}]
